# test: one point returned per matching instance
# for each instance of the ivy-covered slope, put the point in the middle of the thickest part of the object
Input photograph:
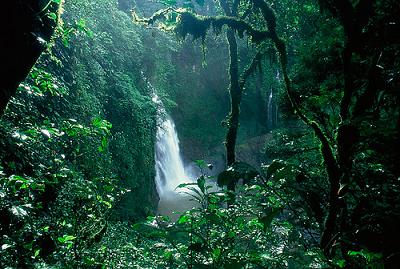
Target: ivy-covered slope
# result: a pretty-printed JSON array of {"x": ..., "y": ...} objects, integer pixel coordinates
[
  {"x": 99, "y": 57},
  {"x": 105, "y": 79}
]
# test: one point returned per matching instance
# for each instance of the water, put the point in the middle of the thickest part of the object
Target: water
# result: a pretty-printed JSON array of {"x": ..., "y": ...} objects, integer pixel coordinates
[
  {"x": 270, "y": 120},
  {"x": 170, "y": 170},
  {"x": 272, "y": 108}
]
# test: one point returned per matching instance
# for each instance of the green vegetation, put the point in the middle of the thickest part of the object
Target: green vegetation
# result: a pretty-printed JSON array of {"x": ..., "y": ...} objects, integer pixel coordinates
[{"x": 293, "y": 105}]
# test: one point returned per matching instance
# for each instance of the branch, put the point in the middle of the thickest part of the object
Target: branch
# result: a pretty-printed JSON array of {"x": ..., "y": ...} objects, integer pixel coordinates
[
  {"x": 159, "y": 15},
  {"x": 197, "y": 25},
  {"x": 255, "y": 62},
  {"x": 331, "y": 164},
  {"x": 347, "y": 15}
]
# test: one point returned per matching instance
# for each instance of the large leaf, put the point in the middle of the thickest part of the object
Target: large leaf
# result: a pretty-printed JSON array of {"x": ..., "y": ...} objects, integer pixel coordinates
[
  {"x": 239, "y": 170},
  {"x": 273, "y": 167},
  {"x": 267, "y": 219},
  {"x": 226, "y": 177},
  {"x": 201, "y": 182},
  {"x": 245, "y": 170},
  {"x": 183, "y": 219}
]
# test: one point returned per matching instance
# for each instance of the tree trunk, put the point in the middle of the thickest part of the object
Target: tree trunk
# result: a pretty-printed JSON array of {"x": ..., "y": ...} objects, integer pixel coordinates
[
  {"x": 235, "y": 96},
  {"x": 25, "y": 31}
]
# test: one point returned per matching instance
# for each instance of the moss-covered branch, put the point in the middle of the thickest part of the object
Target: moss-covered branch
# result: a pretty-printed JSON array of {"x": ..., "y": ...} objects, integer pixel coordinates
[
  {"x": 188, "y": 23},
  {"x": 157, "y": 16}
]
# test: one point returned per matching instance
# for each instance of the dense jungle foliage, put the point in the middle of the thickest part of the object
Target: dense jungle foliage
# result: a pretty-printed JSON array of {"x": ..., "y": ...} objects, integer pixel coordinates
[{"x": 288, "y": 112}]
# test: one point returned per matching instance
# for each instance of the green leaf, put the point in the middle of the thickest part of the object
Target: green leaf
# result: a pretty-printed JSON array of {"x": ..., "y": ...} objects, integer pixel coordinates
[
  {"x": 65, "y": 41},
  {"x": 201, "y": 182},
  {"x": 274, "y": 166},
  {"x": 36, "y": 253},
  {"x": 70, "y": 238},
  {"x": 267, "y": 219},
  {"x": 245, "y": 170},
  {"x": 184, "y": 185},
  {"x": 200, "y": 163},
  {"x": 286, "y": 172},
  {"x": 255, "y": 223},
  {"x": 81, "y": 24},
  {"x": 366, "y": 254},
  {"x": 66, "y": 239},
  {"x": 104, "y": 144},
  {"x": 216, "y": 253},
  {"x": 19, "y": 211},
  {"x": 226, "y": 177},
  {"x": 196, "y": 191},
  {"x": 341, "y": 263},
  {"x": 52, "y": 16},
  {"x": 167, "y": 254},
  {"x": 238, "y": 170},
  {"x": 183, "y": 219},
  {"x": 234, "y": 265},
  {"x": 212, "y": 218}
]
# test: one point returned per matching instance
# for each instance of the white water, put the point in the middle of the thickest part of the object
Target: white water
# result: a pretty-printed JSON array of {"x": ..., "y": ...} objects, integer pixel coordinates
[
  {"x": 270, "y": 122},
  {"x": 170, "y": 171},
  {"x": 272, "y": 108}
]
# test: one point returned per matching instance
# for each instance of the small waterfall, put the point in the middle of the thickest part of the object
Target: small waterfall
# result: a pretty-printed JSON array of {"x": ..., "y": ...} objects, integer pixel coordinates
[
  {"x": 272, "y": 108},
  {"x": 170, "y": 171},
  {"x": 270, "y": 119}
]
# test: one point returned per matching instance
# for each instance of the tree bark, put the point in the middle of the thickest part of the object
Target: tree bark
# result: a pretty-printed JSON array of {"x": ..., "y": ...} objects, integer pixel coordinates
[
  {"x": 25, "y": 31},
  {"x": 235, "y": 93}
]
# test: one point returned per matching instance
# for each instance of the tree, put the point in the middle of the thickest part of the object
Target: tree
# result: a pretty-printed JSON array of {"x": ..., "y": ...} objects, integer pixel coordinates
[
  {"x": 240, "y": 18},
  {"x": 369, "y": 32},
  {"x": 28, "y": 28}
]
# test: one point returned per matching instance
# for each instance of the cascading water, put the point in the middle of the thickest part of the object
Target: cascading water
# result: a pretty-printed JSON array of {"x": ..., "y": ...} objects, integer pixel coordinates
[
  {"x": 270, "y": 123},
  {"x": 170, "y": 171},
  {"x": 272, "y": 108}
]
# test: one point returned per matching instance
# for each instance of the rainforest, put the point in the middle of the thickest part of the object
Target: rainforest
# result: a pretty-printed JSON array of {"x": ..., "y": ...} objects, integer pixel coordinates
[{"x": 198, "y": 134}]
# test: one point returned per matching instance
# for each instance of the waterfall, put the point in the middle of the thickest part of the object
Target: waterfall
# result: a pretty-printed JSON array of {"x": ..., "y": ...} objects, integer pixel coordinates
[
  {"x": 272, "y": 108},
  {"x": 270, "y": 120},
  {"x": 170, "y": 171}
]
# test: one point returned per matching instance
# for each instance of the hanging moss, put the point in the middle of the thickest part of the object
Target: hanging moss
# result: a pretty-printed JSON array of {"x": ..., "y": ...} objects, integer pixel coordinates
[
  {"x": 194, "y": 25},
  {"x": 159, "y": 15},
  {"x": 189, "y": 23}
]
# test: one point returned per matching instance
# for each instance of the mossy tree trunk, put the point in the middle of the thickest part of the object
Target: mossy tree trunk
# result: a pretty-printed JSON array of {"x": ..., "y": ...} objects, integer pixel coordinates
[
  {"x": 26, "y": 29},
  {"x": 235, "y": 91}
]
